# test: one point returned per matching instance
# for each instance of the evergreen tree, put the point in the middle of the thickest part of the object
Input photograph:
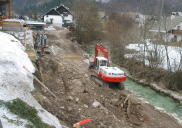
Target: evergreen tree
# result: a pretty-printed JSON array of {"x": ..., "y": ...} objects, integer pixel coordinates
[{"x": 35, "y": 15}]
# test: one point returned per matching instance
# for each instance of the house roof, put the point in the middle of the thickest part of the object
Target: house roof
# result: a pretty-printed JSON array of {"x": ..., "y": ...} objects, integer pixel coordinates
[
  {"x": 14, "y": 20},
  {"x": 172, "y": 23},
  {"x": 58, "y": 11},
  {"x": 52, "y": 12},
  {"x": 168, "y": 24},
  {"x": 62, "y": 9}
]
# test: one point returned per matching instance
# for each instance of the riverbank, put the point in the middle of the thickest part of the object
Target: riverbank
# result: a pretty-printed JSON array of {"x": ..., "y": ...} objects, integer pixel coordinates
[{"x": 174, "y": 95}]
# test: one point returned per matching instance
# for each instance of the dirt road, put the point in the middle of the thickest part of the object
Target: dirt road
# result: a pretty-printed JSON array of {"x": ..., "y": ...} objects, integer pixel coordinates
[{"x": 65, "y": 72}]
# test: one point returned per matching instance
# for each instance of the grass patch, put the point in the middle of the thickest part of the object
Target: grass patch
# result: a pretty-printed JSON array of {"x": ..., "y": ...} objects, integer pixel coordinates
[
  {"x": 17, "y": 122},
  {"x": 25, "y": 111}
]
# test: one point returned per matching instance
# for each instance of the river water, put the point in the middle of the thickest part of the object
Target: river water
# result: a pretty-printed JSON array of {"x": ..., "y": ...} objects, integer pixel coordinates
[{"x": 160, "y": 101}]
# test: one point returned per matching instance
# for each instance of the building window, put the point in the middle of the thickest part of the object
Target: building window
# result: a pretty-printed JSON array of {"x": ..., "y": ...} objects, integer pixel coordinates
[
  {"x": 65, "y": 14},
  {"x": 178, "y": 28},
  {"x": 47, "y": 15},
  {"x": 175, "y": 38}
]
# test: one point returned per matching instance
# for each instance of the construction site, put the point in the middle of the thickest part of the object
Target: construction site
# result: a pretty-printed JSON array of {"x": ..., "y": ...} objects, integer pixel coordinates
[{"x": 65, "y": 71}]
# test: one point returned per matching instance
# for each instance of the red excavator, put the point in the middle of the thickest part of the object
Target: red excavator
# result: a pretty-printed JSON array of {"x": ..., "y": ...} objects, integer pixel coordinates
[{"x": 105, "y": 76}]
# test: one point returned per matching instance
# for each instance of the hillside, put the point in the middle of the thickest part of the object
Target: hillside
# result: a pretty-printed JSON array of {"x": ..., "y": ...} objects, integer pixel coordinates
[{"x": 42, "y": 6}]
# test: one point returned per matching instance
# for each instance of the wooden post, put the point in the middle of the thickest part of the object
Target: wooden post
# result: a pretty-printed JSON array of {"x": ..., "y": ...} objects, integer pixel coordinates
[
  {"x": 43, "y": 85},
  {"x": 26, "y": 38}
]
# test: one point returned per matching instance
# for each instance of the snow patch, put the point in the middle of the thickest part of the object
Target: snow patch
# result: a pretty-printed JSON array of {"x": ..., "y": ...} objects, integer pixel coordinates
[
  {"x": 50, "y": 28},
  {"x": 173, "y": 52},
  {"x": 16, "y": 82}
]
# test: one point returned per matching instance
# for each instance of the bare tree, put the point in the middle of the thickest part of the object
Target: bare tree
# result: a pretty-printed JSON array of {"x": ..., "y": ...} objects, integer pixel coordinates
[
  {"x": 118, "y": 28},
  {"x": 88, "y": 24}
]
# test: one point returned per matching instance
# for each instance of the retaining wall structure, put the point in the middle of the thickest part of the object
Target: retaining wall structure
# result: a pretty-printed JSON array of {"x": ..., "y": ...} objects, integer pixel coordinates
[{"x": 22, "y": 35}]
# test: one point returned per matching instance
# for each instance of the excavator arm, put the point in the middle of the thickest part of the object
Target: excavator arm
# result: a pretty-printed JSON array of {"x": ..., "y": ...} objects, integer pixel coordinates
[{"x": 100, "y": 48}]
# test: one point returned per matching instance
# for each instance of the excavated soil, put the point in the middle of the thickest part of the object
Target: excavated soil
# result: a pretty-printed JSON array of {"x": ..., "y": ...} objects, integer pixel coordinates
[{"x": 65, "y": 73}]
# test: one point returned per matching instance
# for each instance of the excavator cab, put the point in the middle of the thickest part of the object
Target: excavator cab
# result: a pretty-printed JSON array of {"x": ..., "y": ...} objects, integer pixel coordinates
[{"x": 100, "y": 62}]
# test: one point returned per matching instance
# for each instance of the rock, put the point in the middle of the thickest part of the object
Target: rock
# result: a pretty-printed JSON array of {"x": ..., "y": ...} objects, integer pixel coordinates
[
  {"x": 70, "y": 98},
  {"x": 98, "y": 126},
  {"x": 21, "y": 38},
  {"x": 113, "y": 101},
  {"x": 86, "y": 106},
  {"x": 96, "y": 104},
  {"x": 86, "y": 56},
  {"x": 62, "y": 107},
  {"x": 70, "y": 109},
  {"x": 106, "y": 104},
  {"x": 47, "y": 101},
  {"x": 77, "y": 99},
  {"x": 16, "y": 35},
  {"x": 79, "y": 76},
  {"x": 21, "y": 34},
  {"x": 86, "y": 75},
  {"x": 77, "y": 86}
]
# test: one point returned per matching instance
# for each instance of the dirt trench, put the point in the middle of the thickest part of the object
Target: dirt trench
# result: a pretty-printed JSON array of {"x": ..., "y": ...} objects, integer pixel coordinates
[{"x": 65, "y": 73}]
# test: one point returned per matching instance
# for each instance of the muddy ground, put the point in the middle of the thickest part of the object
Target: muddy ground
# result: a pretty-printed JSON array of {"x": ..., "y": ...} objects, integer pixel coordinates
[{"x": 65, "y": 73}]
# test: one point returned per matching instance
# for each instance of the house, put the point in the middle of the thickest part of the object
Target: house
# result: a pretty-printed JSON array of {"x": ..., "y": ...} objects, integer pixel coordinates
[
  {"x": 60, "y": 16},
  {"x": 170, "y": 28}
]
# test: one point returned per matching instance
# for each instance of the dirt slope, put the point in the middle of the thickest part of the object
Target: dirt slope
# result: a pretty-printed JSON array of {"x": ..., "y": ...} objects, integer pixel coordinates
[{"x": 65, "y": 73}]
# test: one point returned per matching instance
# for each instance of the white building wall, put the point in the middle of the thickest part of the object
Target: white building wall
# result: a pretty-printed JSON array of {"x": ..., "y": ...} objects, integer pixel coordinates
[
  {"x": 57, "y": 20},
  {"x": 69, "y": 17}
]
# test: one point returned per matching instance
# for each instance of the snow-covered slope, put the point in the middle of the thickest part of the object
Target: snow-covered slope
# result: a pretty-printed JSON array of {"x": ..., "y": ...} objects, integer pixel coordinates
[
  {"x": 173, "y": 53},
  {"x": 15, "y": 82}
]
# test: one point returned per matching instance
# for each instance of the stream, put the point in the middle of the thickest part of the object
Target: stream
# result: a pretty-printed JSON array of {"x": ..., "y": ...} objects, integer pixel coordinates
[{"x": 156, "y": 99}]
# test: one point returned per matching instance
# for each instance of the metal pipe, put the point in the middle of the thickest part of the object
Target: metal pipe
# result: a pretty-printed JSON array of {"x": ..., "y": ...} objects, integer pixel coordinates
[{"x": 9, "y": 9}]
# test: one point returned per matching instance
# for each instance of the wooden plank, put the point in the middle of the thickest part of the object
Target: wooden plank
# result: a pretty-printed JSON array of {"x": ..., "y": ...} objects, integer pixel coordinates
[
  {"x": 120, "y": 102},
  {"x": 5, "y": 22},
  {"x": 127, "y": 98},
  {"x": 128, "y": 108},
  {"x": 11, "y": 27},
  {"x": 136, "y": 123}
]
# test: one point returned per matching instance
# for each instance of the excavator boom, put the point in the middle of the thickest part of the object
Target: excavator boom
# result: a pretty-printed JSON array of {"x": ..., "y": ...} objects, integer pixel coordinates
[{"x": 100, "y": 48}]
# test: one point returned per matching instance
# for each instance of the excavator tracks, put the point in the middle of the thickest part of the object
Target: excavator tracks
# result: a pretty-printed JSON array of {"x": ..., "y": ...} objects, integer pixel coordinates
[{"x": 100, "y": 82}]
